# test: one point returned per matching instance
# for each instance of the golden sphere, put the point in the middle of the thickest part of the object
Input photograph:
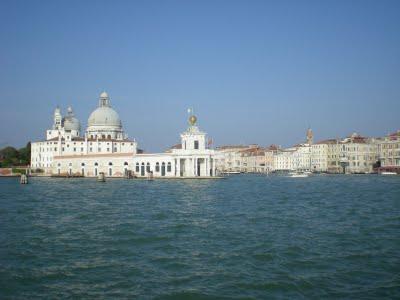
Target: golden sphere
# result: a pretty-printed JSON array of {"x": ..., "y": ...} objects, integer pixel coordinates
[{"x": 192, "y": 120}]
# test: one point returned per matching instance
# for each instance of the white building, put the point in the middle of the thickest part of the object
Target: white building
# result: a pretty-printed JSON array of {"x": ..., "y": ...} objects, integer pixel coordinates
[
  {"x": 191, "y": 159},
  {"x": 389, "y": 152},
  {"x": 284, "y": 160},
  {"x": 106, "y": 148}
]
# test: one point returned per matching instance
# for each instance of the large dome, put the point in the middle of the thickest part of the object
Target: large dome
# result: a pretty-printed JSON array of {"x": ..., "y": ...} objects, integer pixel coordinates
[{"x": 104, "y": 116}]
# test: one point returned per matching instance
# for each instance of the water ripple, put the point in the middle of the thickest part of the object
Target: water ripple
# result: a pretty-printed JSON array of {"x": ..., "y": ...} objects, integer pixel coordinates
[{"x": 248, "y": 237}]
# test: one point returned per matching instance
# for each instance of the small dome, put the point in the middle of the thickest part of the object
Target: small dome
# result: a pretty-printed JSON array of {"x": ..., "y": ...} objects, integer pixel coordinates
[
  {"x": 103, "y": 95},
  {"x": 71, "y": 123}
]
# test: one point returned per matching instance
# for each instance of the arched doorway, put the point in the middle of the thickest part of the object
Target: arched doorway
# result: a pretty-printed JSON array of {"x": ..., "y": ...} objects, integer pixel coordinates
[
  {"x": 163, "y": 169},
  {"x": 110, "y": 169},
  {"x": 125, "y": 168},
  {"x": 142, "y": 170}
]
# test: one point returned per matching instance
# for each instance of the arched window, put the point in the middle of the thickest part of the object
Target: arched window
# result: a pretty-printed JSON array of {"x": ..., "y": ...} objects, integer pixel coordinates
[
  {"x": 59, "y": 164},
  {"x": 157, "y": 167},
  {"x": 70, "y": 164},
  {"x": 109, "y": 136},
  {"x": 125, "y": 163},
  {"x": 137, "y": 168},
  {"x": 148, "y": 167},
  {"x": 96, "y": 164},
  {"x": 169, "y": 167},
  {"x": 82, "y": 164},
  {"x": 110, "y": 163},
  {"x": 103, "y": 136}
]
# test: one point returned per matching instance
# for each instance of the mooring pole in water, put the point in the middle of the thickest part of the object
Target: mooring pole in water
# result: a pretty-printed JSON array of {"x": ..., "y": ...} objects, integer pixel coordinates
[
  {"x": 101, "y": 177},
  {"x": 24, "y": 179}
]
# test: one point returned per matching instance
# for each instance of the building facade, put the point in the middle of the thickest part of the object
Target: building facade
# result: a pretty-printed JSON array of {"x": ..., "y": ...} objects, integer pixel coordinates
[
  {"x": 105, "y": 148},
  {"x": 389, "y": 152},
  {"x": 192, "y": 158}
]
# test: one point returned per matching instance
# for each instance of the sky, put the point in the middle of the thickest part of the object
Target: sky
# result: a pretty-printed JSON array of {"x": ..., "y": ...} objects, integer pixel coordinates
[{"x": 253, "y": 71}]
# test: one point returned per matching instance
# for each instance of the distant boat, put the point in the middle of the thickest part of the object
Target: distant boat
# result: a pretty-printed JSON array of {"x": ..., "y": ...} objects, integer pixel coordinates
[
  {"x": 388, "y": 173},
  {"x": 297, "y": 175}
]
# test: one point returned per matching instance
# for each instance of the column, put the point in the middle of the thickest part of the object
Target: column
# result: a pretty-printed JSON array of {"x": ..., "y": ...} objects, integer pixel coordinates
[{"x": 213, "y": 166}]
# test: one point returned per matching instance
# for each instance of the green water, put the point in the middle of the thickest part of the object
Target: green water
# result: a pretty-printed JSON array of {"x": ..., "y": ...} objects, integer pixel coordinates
[{"x": 246, "y": 237}]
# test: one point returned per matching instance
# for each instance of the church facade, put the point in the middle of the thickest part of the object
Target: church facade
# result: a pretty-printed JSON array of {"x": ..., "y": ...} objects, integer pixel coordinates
[{"x": 104, "y": 147}]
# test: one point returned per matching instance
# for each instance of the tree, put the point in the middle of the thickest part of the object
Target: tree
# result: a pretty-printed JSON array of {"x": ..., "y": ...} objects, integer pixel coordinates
[{"x": 12, "y": 157}]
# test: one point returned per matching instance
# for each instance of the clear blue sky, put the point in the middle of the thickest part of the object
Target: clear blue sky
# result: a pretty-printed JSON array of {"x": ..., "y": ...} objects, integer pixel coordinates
[{"x": 254, "y": 71}]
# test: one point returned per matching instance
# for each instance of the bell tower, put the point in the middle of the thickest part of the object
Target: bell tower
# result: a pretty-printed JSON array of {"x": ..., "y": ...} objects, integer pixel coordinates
[
  {"x": 57, "y": 119},
  {"x": 310, "y": 136}
]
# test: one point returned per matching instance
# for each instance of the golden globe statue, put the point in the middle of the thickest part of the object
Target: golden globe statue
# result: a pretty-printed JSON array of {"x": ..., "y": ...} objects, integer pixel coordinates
[{"x": 192, "y": 120}]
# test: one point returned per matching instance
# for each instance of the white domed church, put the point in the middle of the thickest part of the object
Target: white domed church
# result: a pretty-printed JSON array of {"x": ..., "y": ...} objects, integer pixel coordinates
[{"x": 104, "y": 147}]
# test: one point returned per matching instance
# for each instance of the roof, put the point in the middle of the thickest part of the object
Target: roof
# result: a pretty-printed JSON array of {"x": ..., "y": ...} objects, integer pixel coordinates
[
  {"x": 227, "y": 147},
  {"x": 272, "y": 147},
  {"x": 177, "y": 146},
  {"x": 328, "y": 141},
  {"x": 253, "y": 151}
]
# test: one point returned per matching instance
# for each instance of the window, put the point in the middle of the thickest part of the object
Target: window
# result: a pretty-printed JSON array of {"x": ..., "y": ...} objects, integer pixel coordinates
[
  {"x": 91, "y": 149},
  {"x": 74, "y": 149},
  {"x": 125, "y": 163},
  {"x": 137, "y": 167},
  {"x": 108, "y": 149},
  {"x": 115, "y": 149},
  {"x": 82, "y": 164},
  {"x": 157, "y": 167},
  {"x": 110, "y": 163},
  {"x": 148, "y": 167},
  {"x": 169, "y": 167},
  {"x": 96, "y": 164},
  {"x": 196, "y": 144},
  {"x": 81, "y": 149}
]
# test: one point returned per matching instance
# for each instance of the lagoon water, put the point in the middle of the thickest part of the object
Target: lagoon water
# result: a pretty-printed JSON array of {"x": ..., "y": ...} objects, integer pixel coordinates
[{"x": 248, "y": 236}]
